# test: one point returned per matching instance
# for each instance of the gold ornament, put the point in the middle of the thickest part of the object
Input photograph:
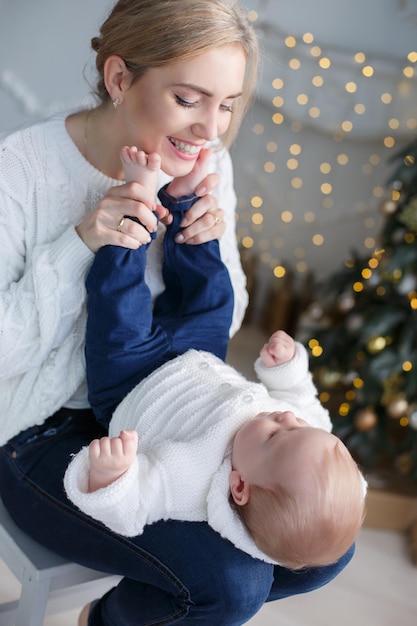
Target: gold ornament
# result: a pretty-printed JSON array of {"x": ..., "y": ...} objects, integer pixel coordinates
[
  {"x": 329, "y": 378},
  {"x": 408, "y": 215},
  {"x": 365, "y": 419},
  {"x": 404, "y": 463},
  {"x": 397, "y": 407},
  {"x": 392, "y": 387},
  {"x": 376, "y": 344}
]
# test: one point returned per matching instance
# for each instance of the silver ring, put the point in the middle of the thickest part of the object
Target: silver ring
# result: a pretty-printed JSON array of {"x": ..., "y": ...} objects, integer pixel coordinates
[{"x": 120, "y": 224}]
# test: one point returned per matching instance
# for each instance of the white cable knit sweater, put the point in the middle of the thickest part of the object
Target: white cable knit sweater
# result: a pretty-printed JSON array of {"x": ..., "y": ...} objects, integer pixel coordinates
[
  {"x": 46, "y": 187},
  {"x": 186, "y": 414}
]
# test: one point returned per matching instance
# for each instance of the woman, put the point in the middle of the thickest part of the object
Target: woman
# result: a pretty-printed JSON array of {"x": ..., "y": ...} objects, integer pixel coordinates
[{"x": 173, "y": 76}]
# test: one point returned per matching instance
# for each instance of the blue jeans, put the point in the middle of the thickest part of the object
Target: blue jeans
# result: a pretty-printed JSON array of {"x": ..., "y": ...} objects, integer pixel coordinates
[
  {"x": 175, "y": 573},
  {"x": 126, "y": 338}
]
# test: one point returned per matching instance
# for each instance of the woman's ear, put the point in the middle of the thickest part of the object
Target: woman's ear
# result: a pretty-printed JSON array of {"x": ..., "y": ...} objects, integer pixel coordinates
[
  {"x": 115, "y": 75},
  {"x": 239, "y": 489}
]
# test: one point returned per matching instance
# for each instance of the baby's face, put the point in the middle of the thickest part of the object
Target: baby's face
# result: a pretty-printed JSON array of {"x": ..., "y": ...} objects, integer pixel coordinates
[{"x": 279, "y": 447}]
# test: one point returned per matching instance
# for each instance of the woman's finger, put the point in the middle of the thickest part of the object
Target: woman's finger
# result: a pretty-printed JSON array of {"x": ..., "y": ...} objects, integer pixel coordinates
[{"x": 209, "y": 226}]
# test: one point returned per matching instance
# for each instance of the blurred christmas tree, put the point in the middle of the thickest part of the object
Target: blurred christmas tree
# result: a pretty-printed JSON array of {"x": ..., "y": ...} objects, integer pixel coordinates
[{"x": 363, "y": 339}]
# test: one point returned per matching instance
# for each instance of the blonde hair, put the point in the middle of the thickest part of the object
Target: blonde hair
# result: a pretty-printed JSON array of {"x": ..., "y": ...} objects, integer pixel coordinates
[
  {"x": 155, "y": 33},
  {"x": 314, "y": 529}
]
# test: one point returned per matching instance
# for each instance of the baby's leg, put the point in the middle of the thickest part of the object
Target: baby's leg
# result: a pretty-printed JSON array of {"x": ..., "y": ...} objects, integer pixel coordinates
[
  {"x": 140, "y": 167},
  {"x": 110, "y": 458}
]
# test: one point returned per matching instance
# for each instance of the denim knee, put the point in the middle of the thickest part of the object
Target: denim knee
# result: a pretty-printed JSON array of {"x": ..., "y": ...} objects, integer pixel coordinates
[
  {"x": 230, "y": 595},
  {"x": 236, "y": 593},
  {"x": 290, "y": 583}
]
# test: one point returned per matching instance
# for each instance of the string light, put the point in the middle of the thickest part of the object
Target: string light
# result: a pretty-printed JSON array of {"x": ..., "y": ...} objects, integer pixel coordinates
[{"x": 294, "y": 108}]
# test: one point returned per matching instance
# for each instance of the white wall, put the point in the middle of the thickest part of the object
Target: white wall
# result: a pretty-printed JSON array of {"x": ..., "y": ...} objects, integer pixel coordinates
[{"x": 44, "y": 51}]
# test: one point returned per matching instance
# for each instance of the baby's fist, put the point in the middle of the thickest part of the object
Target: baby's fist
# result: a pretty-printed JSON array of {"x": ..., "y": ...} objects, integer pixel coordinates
[{"x": 279, "y": 349}]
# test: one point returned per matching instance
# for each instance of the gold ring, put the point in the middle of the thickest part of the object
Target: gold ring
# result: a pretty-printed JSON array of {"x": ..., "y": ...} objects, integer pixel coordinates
[
  {"x": 120, "y": 224},
  {"x": 216, "y": 220}
]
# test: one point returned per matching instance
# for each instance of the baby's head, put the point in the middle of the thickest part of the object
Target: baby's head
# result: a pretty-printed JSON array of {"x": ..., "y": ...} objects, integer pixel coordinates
[{"x": 297, "y": 489}]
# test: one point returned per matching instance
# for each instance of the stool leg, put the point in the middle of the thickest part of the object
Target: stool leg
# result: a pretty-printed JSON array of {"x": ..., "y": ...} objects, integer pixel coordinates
[{"x": 33, "y": 600}]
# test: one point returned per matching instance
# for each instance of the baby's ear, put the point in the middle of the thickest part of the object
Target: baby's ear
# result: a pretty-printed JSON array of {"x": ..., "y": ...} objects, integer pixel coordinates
[{"x": 239, "y": 489}]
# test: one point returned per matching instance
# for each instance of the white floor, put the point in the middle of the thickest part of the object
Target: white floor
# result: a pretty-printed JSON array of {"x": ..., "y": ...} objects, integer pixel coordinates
[{"x": 378, "y": 588}]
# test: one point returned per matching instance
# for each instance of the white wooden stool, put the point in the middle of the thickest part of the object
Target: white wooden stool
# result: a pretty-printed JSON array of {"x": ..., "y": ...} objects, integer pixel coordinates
[{"x": 50, "y": 584}]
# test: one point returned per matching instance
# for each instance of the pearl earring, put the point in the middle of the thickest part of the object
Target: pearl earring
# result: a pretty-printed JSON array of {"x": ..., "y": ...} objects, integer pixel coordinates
[{"x": 116, "y": 102}]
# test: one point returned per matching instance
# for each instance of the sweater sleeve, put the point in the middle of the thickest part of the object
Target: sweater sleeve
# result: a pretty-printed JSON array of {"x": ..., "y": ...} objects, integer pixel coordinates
[
  {"x": 41, "y": 283},
  {"x": 228, "y": 243},
  {"x": 43, "y": 264},
  {"x": 126, "y": 505},
  {"x": 293, "y": 384}
]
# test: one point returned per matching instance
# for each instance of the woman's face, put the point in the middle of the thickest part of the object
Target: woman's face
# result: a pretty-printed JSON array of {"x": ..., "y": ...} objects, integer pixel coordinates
[{"x": 176, "y": 109}]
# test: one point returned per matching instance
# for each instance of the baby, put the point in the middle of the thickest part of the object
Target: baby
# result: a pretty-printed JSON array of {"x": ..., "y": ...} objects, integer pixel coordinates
[{"x": 255, "y": 460}]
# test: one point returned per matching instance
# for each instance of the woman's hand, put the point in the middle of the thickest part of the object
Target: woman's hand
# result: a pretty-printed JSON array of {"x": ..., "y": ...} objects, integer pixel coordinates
[
  {"x": 108, "y": 223},
  {"x": 204, "y": 221}
]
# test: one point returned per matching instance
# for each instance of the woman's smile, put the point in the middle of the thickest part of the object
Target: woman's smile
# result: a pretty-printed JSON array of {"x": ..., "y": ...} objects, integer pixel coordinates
[{"x": 186, "y": 150}]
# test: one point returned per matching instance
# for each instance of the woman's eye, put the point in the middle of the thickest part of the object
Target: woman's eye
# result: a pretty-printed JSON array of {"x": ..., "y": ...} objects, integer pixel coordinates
[
  {"x": 227, "y": 108},
  {"x": 185, "y": 103}
]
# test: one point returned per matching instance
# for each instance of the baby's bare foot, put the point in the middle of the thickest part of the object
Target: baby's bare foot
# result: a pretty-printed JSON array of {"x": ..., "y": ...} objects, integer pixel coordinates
[
  {"x": 186, "y": 185},
  {"x": 140, "y": 167}
]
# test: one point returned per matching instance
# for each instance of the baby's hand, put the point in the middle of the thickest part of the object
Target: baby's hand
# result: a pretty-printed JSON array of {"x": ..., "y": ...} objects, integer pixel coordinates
[
  {"x": 279, "y": 349},
  {"x": 111, "y": 457}
]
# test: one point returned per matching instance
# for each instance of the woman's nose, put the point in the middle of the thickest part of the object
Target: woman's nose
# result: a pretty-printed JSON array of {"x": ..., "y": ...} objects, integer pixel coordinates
[{"x": 207, "y": 127}]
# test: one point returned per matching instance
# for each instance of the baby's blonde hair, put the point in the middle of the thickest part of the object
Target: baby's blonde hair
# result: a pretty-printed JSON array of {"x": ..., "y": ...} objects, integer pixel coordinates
[
  {"x": 156, "y": 33},
  {"x": 309, "y": 529}
]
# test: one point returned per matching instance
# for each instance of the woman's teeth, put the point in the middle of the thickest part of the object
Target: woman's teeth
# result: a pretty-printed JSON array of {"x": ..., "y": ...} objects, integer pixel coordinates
[{"x": 185, "y": 147}]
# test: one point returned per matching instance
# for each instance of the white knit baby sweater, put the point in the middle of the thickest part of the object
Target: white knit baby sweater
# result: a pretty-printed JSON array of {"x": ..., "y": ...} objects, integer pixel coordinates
[
  {"x": 186, "y": 414},
  {"x": 46, "y": 187}
]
